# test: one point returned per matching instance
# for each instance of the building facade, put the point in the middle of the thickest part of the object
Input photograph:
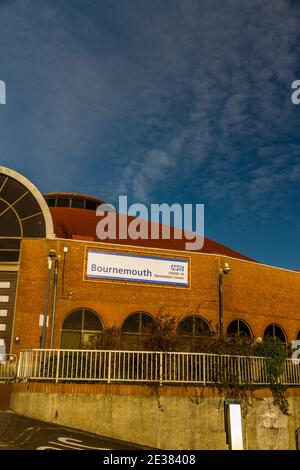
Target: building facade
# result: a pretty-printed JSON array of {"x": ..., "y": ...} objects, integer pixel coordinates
[{"x": 257, "y": 300}]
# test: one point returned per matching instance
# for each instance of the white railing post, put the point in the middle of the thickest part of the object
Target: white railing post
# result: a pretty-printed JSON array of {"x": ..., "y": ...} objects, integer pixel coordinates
[
  {"x": 160, "y": 369},
  {"x": 57, "y": 366},
  {"x": 19, "y": 365},
  {"x": 109, "y": 367},
  {"x": 239, "y": 370},
  {"x": 24, "y": 364},
  {"x": 204, "y": 368},
  {"x": 29, "y": 364}
]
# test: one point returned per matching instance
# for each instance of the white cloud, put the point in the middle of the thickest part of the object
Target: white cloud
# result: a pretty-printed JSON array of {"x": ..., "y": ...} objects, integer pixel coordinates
[{"x": 195, "y": 92}]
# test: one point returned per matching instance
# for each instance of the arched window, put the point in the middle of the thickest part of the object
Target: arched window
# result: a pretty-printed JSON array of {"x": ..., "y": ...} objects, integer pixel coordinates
[
  {"x": 275, "y": 331},
  {"x": 23, "y": 214},
  {"x": 191, "y": 330},
  {"x": 239, "y": 328},
  {"x": 78, "y": 328},
  {"x": 135, "y": 330}
]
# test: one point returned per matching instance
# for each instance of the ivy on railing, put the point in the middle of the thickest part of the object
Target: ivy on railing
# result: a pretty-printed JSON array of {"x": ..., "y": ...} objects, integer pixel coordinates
[{"x": 276, "y": 355}]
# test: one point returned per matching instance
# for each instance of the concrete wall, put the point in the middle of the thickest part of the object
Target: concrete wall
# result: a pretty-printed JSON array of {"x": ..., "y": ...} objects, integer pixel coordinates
[{"x": 166, "y": 418}]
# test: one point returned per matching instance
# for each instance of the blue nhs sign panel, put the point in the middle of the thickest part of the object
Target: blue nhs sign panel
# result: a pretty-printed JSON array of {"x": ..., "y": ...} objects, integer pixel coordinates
[{"x": 119, "y": 266}]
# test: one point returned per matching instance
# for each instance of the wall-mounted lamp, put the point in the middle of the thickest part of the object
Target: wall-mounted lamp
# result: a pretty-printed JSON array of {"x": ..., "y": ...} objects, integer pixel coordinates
[
  {"x": 226, "y": 269},
  {"x": 17, "y": 339}
]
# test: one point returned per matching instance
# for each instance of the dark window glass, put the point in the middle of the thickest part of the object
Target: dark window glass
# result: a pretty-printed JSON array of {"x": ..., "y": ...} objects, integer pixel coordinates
[
  {"x": 193, "y": 326},
  {"x": 298, "y": 335},
  {"x": 78, "y": 203},
  {"x": 136, "y": 329},
  {"x": 27, "y": 206},
  {"x": 139, "y": 322},
  {"x": 201, "y": 327},
  {"x": 185, "y": 327},
  {"x": 12, "y": 190},
  {"x": 50, "y": 202},
  {"x": 3, "y": 205},
  {"x": 91, "y": 321},
  {"x": 63, "y": 202},
  {"x": 132, "y": 324},
  {"x": 9, "y": 256},
  {"x": 34, "y": 227},
  {"x": 146, "y": 323},
  {"x": 275, "y": 331},
  {"x": 279, "y": 333},
  {"x": 73, "y": 321},
  {"x": 9, "y": 224},
  {"x": 91, "y": 205},
  {"x": 191, "y": 332},
  {"x": 70, "y": 340},
  {"x": 9, "y": 243},
  {"x": 239, "y": 328}
]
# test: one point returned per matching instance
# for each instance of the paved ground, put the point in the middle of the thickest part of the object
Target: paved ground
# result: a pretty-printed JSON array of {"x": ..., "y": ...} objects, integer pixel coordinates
[{"x": 17, "y": 432}]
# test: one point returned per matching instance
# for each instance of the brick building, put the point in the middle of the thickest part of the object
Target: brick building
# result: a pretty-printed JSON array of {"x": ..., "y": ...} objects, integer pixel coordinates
[{"x": 257, "y": 300}]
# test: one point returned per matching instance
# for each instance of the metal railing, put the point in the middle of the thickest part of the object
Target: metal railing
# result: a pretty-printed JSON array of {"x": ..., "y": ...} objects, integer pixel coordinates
[
  {"x": 62, "y": 365},
  {"x": 8, "y": 367}
]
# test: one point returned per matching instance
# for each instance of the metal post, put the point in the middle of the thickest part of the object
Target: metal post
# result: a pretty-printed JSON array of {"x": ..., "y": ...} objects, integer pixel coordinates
[
  {"x": 43, "y": 338},
  {"x": 224, "y": 270},
  {"x": 220, "y": 277},
  {"x": 54, "y": 302}
]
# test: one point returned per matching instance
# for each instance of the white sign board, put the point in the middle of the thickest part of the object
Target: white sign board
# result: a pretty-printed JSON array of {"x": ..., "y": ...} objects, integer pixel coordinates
[
  {"x": 137, "y": 268},
  {"x": 235, "y": 426}
]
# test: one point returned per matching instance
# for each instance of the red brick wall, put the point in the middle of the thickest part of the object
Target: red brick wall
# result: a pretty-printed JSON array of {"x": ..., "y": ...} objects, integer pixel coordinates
[
  {"x": 131, "y": 390},
  {"x": 255, "y": 293}
]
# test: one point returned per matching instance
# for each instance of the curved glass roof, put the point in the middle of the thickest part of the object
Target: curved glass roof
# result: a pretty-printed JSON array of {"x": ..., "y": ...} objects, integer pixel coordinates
[{"x": 20, "y": 217}]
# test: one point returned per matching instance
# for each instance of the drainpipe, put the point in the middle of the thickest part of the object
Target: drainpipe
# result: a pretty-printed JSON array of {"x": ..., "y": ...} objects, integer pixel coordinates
[
  {"x": 220, "y": 285},
  {"x": 54, "y": 302},
  {"x": 221, "y": 271},
  {"x": 51, "y": 255}
]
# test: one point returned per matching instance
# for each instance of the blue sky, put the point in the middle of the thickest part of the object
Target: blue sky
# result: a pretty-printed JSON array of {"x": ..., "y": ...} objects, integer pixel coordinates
[{"x": 164, "y": 101}]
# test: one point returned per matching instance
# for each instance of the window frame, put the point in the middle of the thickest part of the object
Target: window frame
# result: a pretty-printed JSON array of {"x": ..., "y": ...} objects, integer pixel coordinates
[
  {"x": 238, "y": 334},
  {"x": 274, "y": 325},
  {"x": 80, "y": 331}
]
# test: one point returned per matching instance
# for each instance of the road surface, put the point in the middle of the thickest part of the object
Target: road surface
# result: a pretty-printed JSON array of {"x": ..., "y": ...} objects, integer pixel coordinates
[{"x": 18, "y": 432}]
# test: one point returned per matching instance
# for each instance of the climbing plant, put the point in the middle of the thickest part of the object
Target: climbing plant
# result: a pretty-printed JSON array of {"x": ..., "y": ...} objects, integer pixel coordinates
[
  {"x": 276, "y": 353},
  {"x": 108, "y": 339},
  {"x": 162, "y": 333},
  {"x": 162, "y": 336}
]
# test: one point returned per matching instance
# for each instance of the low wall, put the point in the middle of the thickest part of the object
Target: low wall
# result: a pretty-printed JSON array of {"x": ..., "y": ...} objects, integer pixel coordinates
[{"x": 160, "y": 417}]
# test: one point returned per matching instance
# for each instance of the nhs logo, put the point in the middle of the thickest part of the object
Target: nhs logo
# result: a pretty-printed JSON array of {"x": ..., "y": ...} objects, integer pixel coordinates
[
  {"x": 2, "y": 92},
  {"x": 177, "y": 267}
]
